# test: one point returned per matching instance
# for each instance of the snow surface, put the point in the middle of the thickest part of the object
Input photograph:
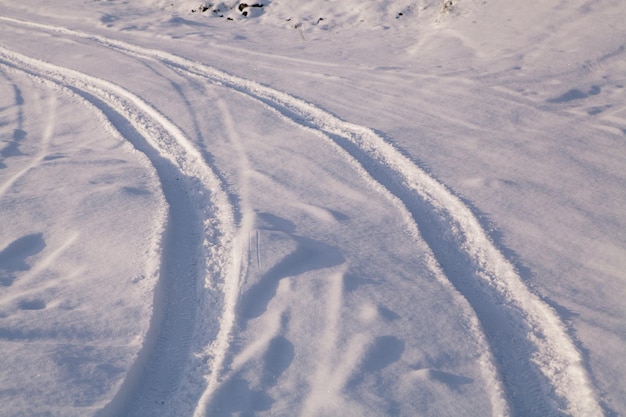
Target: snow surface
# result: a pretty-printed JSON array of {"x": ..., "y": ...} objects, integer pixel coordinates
[{"x": 356, "y": 208}]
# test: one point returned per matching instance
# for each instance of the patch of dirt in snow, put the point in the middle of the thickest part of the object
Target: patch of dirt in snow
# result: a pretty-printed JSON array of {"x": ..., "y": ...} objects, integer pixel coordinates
[{"x": 316, "y": 14}]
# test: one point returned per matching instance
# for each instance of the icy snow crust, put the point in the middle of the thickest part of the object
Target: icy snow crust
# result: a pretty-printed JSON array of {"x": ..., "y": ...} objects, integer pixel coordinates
[{"x": 402, "y": 208}]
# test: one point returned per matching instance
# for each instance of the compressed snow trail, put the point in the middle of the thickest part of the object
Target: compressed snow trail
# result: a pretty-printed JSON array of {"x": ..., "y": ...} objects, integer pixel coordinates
[
  {"x": 555, "y": 357},
  {"x": 174, "y": 157},
  {"x": 537, "y": 358},
  {"x": 232, "y": 286}
]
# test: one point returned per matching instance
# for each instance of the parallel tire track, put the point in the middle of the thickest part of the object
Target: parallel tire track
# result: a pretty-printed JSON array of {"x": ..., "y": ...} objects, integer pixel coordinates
[
  {"x": 542, "y": 370},
  {"x": 550, "y": 363}
]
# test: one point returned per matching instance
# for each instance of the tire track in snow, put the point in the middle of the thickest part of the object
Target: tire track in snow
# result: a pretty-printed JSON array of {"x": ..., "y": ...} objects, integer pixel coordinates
[
  {"x": 232, "y": 287},
  {"x": 542, "y": 370},
  {"x": 163, "y": 361}
]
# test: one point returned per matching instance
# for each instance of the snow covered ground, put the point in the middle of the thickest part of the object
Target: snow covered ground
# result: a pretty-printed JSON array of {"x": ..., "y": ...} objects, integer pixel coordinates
[{"x": 356, "y": 208}]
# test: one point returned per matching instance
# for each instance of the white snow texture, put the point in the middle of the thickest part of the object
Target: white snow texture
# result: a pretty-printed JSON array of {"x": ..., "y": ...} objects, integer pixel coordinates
[{"x": 279, "y": 208}]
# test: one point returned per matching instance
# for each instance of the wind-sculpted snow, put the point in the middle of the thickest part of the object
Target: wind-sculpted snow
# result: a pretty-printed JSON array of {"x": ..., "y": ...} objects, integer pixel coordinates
[{"x": 308, "y": 266}]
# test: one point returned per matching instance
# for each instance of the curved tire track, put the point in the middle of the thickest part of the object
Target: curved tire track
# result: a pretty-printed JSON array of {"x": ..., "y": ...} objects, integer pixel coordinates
[
  {"x": 200, "y": 228},
  {"x": 542, "y": 370}
]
